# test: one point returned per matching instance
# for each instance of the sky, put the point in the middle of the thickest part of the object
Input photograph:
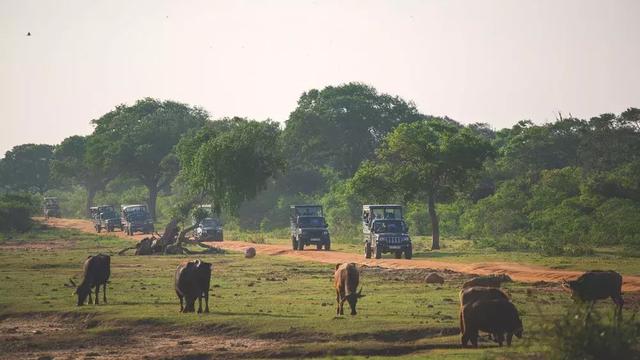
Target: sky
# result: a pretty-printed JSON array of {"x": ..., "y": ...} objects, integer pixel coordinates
[{"x": 492, "y": 61}]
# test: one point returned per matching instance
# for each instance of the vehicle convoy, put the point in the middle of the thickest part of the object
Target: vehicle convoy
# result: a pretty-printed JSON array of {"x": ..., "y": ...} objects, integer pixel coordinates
[
  {"x": 136, "y": 218},
  {"x": 51, "y": 207},
  {"x": 105, "y": 217},
  {"x": 385, "y": 231},
  {"x": 308, "y": 227}
]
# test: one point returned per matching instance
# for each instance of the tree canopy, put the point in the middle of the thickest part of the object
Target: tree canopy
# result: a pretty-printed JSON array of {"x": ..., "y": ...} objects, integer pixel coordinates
[
  {"x": 26, "y": 168},
  {"x": 139, "y": 140}
]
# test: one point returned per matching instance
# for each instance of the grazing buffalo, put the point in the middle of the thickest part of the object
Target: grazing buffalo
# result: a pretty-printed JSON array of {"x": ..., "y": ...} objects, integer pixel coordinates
[
  {"x": 97, "y": 270},
  {"x": 494, "y": 281},
  {"x": 192, "y": 282},
  {"x": 596, "y": 285},
  {"x": 347, "y": 278},
  {"x": 475, "y": 293},
  {"x": 495, "y": 316}
]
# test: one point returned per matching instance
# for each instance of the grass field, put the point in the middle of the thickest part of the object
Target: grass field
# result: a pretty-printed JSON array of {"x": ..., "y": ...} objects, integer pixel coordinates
[{"x": 266, "y": 307}]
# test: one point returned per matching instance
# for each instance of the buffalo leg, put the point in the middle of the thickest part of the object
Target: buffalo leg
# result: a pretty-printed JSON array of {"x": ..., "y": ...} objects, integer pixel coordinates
[
  {"x": 509, "y": 338},
  {"x": 104, "y": 292},
  {"x": 90, "y": 299},
  {"x": 499, "y": 338},
  {"x": 474, "y": 339},
  {"x": 200, "y": 304},
  {"x": 206, "y": 301},
  {"x": 619, "y": 303},
  {"x": 337, "y": 303},
  {"x": 181, "y": 302},
  {"x": 97, "y": 294}
]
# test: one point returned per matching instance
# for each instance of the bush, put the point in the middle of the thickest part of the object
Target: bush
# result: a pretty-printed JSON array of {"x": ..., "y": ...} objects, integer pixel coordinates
[
  {"x": 16, "y": 211},
  {"x": 585, "y": 334}
]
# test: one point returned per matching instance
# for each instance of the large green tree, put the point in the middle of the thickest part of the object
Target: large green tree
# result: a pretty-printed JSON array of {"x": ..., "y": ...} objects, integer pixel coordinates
[
  {"x": 139, "y": 141},
  {"x": 428, "y": 160},
  {"x": 78, "y": 160},
  {"x": 340, "y": 126},
  {"x": 26, "y": 168},
  {"x": 230, "y": 161}
]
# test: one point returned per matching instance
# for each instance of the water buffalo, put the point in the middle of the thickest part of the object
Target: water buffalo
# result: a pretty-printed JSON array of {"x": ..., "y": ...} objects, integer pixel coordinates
[
  {"x": 494, "y": 281},
  {"x": 192, "y": 282},
  {"x": 475, "y": 293},
  {"x": 346, "y": 279},
  {"x": 596, "y": 285},
  {"x": 495, "y": 316},
  {"x": 97, "y": 270}
]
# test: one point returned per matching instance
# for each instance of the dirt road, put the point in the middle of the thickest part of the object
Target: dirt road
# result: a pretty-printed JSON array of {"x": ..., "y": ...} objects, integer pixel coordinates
[{"x": 518, "y": 272}]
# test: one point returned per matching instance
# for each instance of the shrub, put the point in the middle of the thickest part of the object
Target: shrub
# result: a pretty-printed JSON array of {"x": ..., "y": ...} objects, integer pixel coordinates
[
  {"x": 16, "y": 211},
  {"x": 586, "y": 334}
]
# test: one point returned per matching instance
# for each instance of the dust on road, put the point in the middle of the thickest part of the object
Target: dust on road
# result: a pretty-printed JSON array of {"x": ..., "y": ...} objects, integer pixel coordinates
[{"x": 518, "y": 272}]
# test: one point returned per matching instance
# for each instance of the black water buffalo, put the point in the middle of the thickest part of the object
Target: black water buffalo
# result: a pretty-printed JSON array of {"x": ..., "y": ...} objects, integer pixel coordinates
[
  {"x": 495, "y": 316},
  {"x": 475, "y": 293},
  {"x": 494, "y": 281},
  {"x": 346, "y": 283},
  {"x": 97, "y": 270},
  {"x": 596, "y": 285},
  {"x": 192, "y": 282}
]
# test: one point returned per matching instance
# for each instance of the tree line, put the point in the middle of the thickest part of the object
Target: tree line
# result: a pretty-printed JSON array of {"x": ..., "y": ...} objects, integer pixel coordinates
[{"x": 558, "y": 187}]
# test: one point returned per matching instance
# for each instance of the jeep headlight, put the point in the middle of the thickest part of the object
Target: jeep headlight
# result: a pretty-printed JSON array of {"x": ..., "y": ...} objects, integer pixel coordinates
[
  {"x": 299, "y": 231},
  {"x": 325, "y": 232}
]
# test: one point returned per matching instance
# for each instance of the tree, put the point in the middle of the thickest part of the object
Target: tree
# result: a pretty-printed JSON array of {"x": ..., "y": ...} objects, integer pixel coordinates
[
  {"x": 78, "y": 160},
  {"x": 341, "y": 126},
  {"x": 26, "y": 168},
  {"x": 428, "y": 160},
  {"x": 139, "y": 141},
  {"x": 230, "y": 162}
]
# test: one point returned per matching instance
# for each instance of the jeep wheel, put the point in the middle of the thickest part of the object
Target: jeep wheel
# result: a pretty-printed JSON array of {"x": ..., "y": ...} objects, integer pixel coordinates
[
  {"x": 327, "y": 246},
  {"x": 367, "y": 250},
  {"x": 398, "y": 254},
  {"x": 300, "y": 244},
  {"x": 294, "y": 243},
  {"x": 318, "y": 246},
  {"x": 408, "y": 253},
  {"x": 378, "y": 252},
  {"x": 98, "y": 228}
]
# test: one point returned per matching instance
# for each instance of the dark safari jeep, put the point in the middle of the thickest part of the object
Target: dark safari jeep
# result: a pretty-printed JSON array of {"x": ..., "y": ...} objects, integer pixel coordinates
[
  {"x": 385, "y": 231},
  {"x": 136, "y": 218},
  {"x": 209, "y": 228},
  {"x": 105, "y": 217},
  {"x": 51, "y": 207},
  {"x": 308, "y": 227}
]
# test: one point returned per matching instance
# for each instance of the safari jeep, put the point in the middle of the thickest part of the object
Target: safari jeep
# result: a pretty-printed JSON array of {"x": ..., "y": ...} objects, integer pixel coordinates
[
  {"x": 105, "y": 217},
  {"x": 51, "y": 207},
  {"x": 136, "y": 218},
  {"x": 385, "y": 231},
  {"x": 308, "y": 227}
]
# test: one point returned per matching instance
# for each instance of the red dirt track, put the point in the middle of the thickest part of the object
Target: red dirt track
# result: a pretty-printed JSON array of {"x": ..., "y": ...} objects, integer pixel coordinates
[{"x": 518, "y": 272}]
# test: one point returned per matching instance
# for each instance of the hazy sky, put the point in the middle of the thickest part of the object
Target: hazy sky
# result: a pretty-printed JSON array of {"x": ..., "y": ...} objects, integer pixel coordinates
[{"x": 474, "y": 61}]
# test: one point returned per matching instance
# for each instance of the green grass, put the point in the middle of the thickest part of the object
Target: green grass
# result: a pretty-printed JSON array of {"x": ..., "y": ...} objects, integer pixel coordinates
[{"x": 266, "y": 298}]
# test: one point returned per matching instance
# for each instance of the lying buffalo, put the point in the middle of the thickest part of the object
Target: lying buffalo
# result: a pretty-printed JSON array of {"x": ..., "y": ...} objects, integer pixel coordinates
[
  {"x": 191, "y": 283},
  {"x": 494, "y": 281},
  {"x": 596, "y": 285},
  {"x": 347, "y": 278},
  {"x": 97, "y": 270},
  {"x": 495, "y": 316}
]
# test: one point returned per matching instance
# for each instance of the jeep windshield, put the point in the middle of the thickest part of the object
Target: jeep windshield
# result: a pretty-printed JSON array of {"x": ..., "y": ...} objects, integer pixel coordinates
[
  {"x": 389, "y": 226},
  {"x": 137, "y": 216},
  {"x": 108, "y": 214},
  {"x": 311, "y": 221},
  {"x": 209, "y": 223}
]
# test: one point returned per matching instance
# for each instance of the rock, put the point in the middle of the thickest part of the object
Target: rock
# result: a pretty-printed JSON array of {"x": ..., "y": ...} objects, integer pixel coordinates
[
  {"x": 434, "y": 278},
  {"x": 249, "y": 253},
  {"x": 37, "y": 332}
]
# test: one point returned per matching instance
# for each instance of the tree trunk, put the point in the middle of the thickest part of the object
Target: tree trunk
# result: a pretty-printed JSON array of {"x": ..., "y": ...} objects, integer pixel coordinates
[
  {"x": 91, "y": 194},
  {"x": 153, "y": 197},
  {"x": 435, "y": 224}
]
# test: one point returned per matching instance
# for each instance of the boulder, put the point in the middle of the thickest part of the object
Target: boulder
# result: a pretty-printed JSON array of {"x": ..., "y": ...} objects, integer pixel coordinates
[
  {"x": 434, "y": 278},
  {"x": 249, "y": 252}
]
